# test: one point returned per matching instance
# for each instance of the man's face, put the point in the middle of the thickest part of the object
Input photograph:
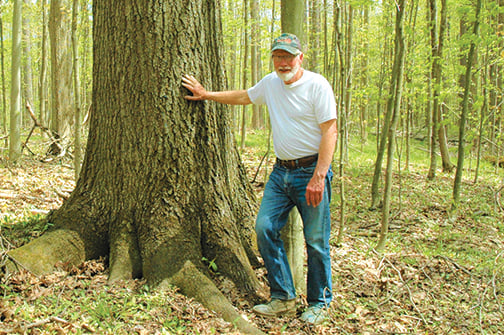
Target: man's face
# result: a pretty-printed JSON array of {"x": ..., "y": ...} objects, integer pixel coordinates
[{"x": 286, "y": 65}]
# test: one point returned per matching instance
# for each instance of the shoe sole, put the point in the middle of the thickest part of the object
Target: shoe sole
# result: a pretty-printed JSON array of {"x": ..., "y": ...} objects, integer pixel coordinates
[{"x": 272, "y": 315}]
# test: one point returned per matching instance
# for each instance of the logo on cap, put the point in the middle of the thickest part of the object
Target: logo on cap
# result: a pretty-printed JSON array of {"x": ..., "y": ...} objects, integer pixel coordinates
[{"x": 287, "y": 42}]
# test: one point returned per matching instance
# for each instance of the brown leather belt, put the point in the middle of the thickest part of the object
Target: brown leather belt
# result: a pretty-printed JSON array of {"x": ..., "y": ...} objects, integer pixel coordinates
[{"x": 296, "y": 163}]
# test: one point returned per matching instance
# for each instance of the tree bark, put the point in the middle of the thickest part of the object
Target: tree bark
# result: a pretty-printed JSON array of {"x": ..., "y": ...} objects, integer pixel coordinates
[
  {"x": 393, "y": 107},
  {"x": 42, "y": 84},
  {"x": 2, "y": 74},
  {"x": 61, "y": 117},
  {"x": 15, "y": 107},
  {"x": 463, "y": 116},
  {"x": 292, "y": 12},
  {"x": 76, "y": 85},
  {"x": 161, "y": 186},
  {"x": 27, "y": 65}
]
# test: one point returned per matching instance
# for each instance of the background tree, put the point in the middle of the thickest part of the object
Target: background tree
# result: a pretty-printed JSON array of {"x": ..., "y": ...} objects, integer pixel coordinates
[
  {"x": 27, "y": 73},
  {"x": 463, "y": 116},
  {"x": 393, "y": 108},
  {"x": 292, "y": 12},
  {"x": 140, "y": 200},
  {"x": 438, "y": 133},
  {"x": 76, "y": 85},
  {"x": 15, "y": 107},
  {"x": 2, "y": 73},
  {"x": 42, "y": 82},
  {"x": 61, "y": 70}
]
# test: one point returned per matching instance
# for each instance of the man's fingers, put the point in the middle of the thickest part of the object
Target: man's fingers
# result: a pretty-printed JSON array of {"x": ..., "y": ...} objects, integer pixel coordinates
[
  {"x": 191, "y": 97},
  {"x": 189, "y": 79}
]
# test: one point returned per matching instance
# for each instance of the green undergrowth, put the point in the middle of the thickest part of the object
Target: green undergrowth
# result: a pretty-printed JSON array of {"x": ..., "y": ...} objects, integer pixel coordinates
[{"x": 436, "y": 276}]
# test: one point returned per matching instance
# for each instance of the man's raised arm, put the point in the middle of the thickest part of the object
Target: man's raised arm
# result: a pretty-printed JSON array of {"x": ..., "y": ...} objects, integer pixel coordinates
[{"x": 239, "y": 97}]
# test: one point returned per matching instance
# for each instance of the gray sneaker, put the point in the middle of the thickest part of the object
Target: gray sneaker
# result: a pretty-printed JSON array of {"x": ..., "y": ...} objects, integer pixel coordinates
[
  {"x": 276, "y": 307},
  {"x": 315, "y": 315}
]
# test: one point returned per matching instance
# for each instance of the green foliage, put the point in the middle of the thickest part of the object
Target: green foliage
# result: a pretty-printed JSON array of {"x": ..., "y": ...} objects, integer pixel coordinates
[
  {"x": 212, "y": 266},
  {"x": 25, "y": 230},
  {"x": 433, "y": 270}
]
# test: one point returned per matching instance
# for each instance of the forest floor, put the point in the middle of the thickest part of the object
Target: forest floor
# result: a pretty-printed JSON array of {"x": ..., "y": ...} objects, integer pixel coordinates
[{"x": 436, "y": 276}]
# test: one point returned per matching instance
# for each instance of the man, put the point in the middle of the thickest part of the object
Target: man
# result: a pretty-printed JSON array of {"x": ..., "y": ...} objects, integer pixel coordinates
[{"x": 303, "y": 118}]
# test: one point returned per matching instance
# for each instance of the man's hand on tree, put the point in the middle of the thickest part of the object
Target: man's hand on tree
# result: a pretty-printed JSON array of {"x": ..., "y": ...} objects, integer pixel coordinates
[{"x": 193, "y": 85}]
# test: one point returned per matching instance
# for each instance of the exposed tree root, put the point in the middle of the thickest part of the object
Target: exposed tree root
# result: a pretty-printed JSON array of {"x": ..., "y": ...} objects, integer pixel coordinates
[
  {"x": 64, "y": 247},
  {"x": 42, "y": 255},
  {"x": 195, "y": 284}
]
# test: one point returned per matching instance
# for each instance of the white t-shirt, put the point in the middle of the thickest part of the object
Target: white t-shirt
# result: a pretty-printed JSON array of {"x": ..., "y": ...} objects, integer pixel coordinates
[{"x": 296, "y": 111}]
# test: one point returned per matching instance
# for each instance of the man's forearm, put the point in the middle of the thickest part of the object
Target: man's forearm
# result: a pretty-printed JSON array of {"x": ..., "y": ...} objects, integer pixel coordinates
[
  {"x": 326, "y": 150},
  {"x": 238, "y": 97},
  {"x": 229, "y": 97}
]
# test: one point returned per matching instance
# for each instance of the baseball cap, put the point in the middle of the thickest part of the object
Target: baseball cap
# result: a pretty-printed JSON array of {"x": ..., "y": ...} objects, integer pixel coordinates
[{"x": 287, "y": 42}]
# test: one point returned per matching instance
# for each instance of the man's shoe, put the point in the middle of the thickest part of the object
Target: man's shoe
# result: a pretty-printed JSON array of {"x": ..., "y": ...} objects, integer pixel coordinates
[
  {"x": 276, "y": 307},
  {"x": 315, "y": 315}
]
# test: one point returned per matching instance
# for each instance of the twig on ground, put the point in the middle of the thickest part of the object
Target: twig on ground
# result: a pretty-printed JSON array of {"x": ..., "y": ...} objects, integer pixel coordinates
[
  {"x": 458, "y": 266},
  {"x": 495, "y": 290},
  {"x": 405, "y": 284},
  {"x": 25, "y": 329},
  {"x": 497, "y": 197}
]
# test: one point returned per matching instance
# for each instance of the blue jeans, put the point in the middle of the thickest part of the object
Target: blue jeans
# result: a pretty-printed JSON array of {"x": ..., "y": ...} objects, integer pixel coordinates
[{"x": 285, "y": 189}]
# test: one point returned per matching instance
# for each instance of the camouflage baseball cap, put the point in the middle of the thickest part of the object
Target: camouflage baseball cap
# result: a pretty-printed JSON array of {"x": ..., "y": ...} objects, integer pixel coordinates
[{"x": 287, "y": 42}]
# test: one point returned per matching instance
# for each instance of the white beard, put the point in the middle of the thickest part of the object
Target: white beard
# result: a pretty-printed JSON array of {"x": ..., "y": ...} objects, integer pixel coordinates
[{"x": 289, "y": 75}]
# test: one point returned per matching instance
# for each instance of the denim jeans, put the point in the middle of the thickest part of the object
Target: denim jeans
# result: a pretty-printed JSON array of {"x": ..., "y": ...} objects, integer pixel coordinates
[{"x": 285, "y": 189}]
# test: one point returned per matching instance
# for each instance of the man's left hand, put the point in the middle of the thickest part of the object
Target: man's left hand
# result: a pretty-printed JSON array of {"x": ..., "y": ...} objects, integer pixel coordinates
[{"x": 315, "y": 190}]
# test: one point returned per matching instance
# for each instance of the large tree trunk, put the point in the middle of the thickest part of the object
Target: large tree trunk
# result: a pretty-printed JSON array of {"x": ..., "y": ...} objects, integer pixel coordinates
[{"x": 161, "y": 186}]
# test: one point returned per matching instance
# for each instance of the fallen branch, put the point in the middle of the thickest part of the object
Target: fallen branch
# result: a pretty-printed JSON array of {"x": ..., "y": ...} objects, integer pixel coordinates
[
  {"x": 54, "y": 137},
  {"x": 458, "y": 266},
  {"x": 497, "y": 197},
  {"x": 409, "y": 291},
  {"x": 55, "y": 319}
]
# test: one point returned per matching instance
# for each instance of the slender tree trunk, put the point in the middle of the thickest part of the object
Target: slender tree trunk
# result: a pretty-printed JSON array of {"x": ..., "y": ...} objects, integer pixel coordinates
[
  {"x": 61, "y": 71},
  {"x": 255, "y": 57},
  {"x": 432, "y": 83},
  {"x": 483, "y": 112},
  {"x": 348, "y": 76},
  {"x": 364, "y": 110},
  {"x": 463, "y": 116},
  {"x": 393, "y": 106},
  {"x": 382, "y": 133},
  {"x": 86, "y": 56},
  {"x": 77, "y": 108},
  {"x": 4, "y": 92},
  {"x": 292, "y": 12},
  {"x": 27, "y": 74},
  {"x": 438, "y": 129},
  {"x": 42, "y": 85},
  {"x": 315, "y": 31},
  {"x": 443, "y": 140},
  {"x": 326, "y": 40},
  {"x": 245, "y": 73},
  {"x": 15, "y": 107}
]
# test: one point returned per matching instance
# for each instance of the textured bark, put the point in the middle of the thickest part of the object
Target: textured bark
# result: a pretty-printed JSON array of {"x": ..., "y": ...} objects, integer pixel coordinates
[
  {"x": 61, "y": 69},
  {"x": 15, "y": 98},
  {"x": 292, "y": 12},
  {"x": 394, "y": 108},
  {"x": 161, "y": 185}
]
